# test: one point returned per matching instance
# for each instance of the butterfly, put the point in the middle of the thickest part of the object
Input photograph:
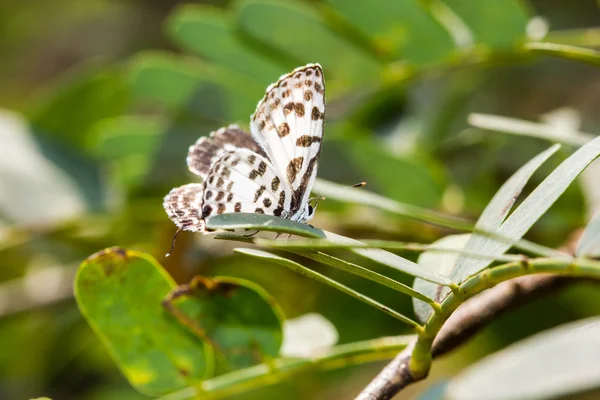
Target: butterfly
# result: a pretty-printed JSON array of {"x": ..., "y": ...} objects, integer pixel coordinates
[{"x": 270, "y": 171}]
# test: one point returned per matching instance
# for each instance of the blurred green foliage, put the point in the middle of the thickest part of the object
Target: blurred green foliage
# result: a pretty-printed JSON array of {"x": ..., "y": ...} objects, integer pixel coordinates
[{"x": 105, "y": 99}]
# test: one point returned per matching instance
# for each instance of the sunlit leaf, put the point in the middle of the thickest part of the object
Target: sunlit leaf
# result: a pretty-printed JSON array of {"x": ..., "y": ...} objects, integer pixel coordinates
[
  {"x": 440, "y": 262},
  {"x": 531, "y": 209},
  {"x": 241, "y": 320},
  {"x": 120, "y": 294},
  {"x": 589, "y": 242},
  {"x": 261, "y": 222},
  {"x": 403, "y": 29},
  {"x": 308, "y": 334},
  {"x": 33, "y": 190},
  {"x": 190, "y": 26},
  {"x": 391, "y": 260},
  {"x": 559, "y": 362}
]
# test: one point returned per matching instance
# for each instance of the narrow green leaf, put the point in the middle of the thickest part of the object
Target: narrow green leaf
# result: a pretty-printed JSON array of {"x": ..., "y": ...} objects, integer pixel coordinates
[
  {"x": 316, "y": 43},
  {"x": 120, "y": 292},
  {"x": 261, "y": 222},
  {"x": 557, "y": 363},
  {"x": 211, "y": 33},
  {"x": 589, "y": 242},
  {"x": 496, "y": 24},
  {"x": 531, "y": 209},
  {"x": 325, "y": 280},
  {"x": 357, "y": 270},
  {"x": 338, "y": 192},
  {"x": 242, "y": 321},
  {"x": 402, "y": 29},
  {"x": 391, "y": 260},
  {"x": 442, "y": 263},
  {"x": 574, "y": 53},
  {"x": 293, "y": 244},
  {"x": 527, "y": 128},
  {"x": 498, "y": 208}
]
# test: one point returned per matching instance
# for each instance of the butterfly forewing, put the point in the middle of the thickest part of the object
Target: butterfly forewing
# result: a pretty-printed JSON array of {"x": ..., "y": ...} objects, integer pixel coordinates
[
  {"x": 208, "y": 149},
  {"x": 288, "y": 123}
]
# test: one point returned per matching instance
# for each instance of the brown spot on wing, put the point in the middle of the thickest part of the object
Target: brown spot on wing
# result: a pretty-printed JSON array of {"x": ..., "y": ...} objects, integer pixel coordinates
[
  {"x": 293, "y": 168},
  {"x": 307, "y": 140},
  {"x": 220, "y": 208},
  {"x": 316, "y": 114},
  {"x": 262, "y": 168},
  {"x": 275, "y": 184},
  {"x": 299, "y": 107},
  {"x": 308, "y": 95},
  {"x": 259, "y": 193},
  {"x": 238, "y": 207},
  {"x": 283, "y": 129}
]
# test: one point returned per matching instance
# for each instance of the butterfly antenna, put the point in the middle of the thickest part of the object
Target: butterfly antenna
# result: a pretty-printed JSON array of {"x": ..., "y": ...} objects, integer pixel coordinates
[
  {"x": 356, "y": 185},
  {"x": 173, "y": 243}
]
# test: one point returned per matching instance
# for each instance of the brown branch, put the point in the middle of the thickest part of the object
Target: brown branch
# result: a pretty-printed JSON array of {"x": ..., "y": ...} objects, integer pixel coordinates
[{"x": 466, "y": 321}]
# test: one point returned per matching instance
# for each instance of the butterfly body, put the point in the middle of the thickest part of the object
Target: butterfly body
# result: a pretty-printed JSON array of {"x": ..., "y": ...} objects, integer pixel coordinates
[{"x": 271, "y": 171}]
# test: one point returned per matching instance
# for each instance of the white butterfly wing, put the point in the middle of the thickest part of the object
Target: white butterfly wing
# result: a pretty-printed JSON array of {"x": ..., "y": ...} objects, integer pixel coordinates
[
  {"x": 288, "y": 124},
  {"x": 245, "y": 181}
]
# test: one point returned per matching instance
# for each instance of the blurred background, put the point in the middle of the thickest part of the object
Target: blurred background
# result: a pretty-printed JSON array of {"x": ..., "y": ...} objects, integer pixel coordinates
[{"x": 99, "y": 101}]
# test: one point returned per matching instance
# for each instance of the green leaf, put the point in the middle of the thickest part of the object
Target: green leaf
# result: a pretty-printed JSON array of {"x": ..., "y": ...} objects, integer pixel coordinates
[
  {"x": 370, "y": 161},
  {"x": 296, "y": 30},
  {"x": 553, "y": 133},
  {"x": 211, "y": 33},
  {"x": 494, "y": 23},
  {"x": 120, "y": 292},
  {"x": 261, "y": 222},
  {"x": 129, "y": 144},
  {"x": 128, "y": 135},
  {"x": 402, "y": 29},
  {"x": 574, "y": 53},
  {"x": 338, "y": 192},
  {"x": 391, "y": 260},
  {"x": 94, "y": 94},
  {"x": 353, "y": 269},
  {"x": 440, "y": 262},
  {"x": 589, "y": 242},
  {"x": 211, "y": 92},
  {"x": 240, "y": 319},
  {"x": 294, "y": 266},
  {"x": 531, "y": 209},
  {"x": 556, "y": 363}
]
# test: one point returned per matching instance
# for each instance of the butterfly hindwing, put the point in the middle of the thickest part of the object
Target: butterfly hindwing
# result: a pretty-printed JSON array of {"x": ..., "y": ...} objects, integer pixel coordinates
[
  {"x": 183, "y": 206},
  {"x": 208, "y": 149},
  {"x": 288, "y": 123}
]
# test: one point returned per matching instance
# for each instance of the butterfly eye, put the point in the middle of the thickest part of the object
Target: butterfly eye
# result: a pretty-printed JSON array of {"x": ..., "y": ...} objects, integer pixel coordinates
[{"x": 311, "y": 210}]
